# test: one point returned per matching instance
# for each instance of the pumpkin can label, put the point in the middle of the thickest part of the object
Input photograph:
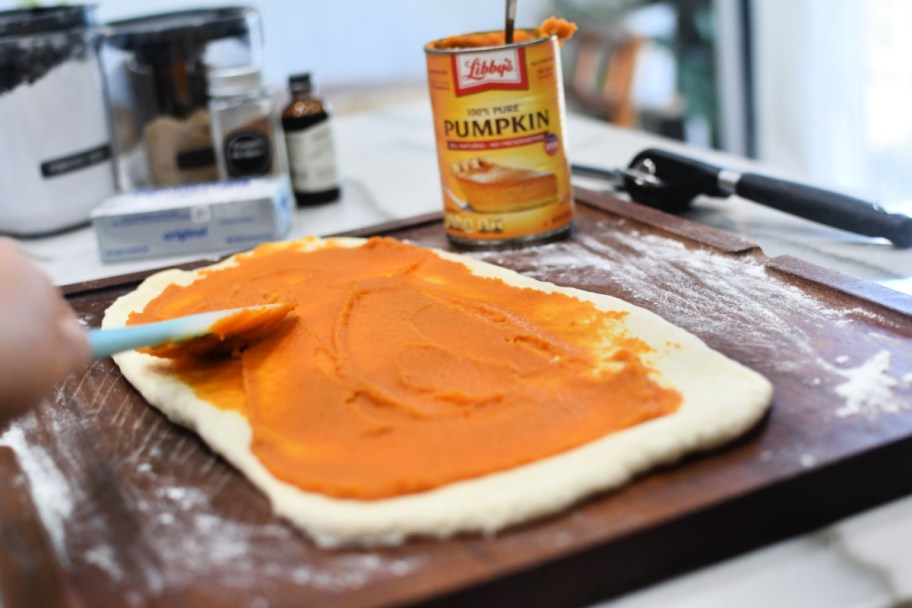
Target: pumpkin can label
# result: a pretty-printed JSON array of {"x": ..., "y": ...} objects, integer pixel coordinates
[{"x": 501, "y": 146}]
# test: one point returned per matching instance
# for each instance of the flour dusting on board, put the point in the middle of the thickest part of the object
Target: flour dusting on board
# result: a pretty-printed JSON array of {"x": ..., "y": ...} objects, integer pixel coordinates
[
  {"x": 51, "y": 492},
  {"x": 187, "y": 528},
  {"x": 868, "y": 388},
  {"x": 360, "y": 569},
  {"x": 714, "y": 295},
  {"x": 156, "y": 531}
]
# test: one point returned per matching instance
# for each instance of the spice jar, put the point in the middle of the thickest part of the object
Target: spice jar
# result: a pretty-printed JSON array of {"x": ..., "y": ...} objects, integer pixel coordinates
[
  {"x": 309, "y": 140},
  {"x": 243, "y": 129}
]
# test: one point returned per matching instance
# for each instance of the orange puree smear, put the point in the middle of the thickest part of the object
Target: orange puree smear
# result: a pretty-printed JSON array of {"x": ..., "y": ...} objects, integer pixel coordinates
[
  {"x": 401, "y": 372},
  {"x": 227, "y": 335},
  {"x": 552, "y": 26},
  {"x": 251, "y": 323}
]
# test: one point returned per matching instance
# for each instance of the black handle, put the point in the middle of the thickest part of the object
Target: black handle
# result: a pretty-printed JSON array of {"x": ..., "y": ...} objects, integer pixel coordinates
[
  {"x": 826, "y": 207},
  {"x": 686, "y": 177},
  {"x": 683, "y": 178}
]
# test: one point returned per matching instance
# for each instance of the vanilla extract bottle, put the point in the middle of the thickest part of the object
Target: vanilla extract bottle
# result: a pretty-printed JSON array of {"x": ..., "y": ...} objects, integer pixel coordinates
[{"x": 309, "y": 141}]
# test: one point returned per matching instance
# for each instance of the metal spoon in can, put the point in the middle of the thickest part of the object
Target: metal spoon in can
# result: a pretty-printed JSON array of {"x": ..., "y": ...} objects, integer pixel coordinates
[{"x": 510, "y": 21}]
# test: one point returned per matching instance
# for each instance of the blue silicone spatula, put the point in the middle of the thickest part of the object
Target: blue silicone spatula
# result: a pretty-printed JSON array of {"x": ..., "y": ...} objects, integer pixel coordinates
[{"x": 191, "y": 332}]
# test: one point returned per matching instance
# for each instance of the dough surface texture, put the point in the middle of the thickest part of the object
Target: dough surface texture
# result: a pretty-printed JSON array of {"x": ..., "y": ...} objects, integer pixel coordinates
[{"x": 722, "y": 399}]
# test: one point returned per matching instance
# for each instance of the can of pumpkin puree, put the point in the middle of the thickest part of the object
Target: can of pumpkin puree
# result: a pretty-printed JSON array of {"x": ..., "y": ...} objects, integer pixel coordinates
[{"x": 501, "y": 146}]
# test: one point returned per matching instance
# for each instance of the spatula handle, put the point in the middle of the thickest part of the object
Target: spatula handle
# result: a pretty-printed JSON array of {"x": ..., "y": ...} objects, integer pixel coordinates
[{"x": 107, "y": 342}]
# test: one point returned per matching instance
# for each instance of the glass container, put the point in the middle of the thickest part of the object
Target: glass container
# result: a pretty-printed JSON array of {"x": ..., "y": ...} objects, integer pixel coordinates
[
  {"x": 243, "y": 125},
  {"x": 55, "y": 157},
  {"x": 156, "y": 70}
]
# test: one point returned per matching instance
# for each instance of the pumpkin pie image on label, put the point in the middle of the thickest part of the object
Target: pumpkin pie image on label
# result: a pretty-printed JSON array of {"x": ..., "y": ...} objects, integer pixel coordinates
[{"x": 489, "y": 187}]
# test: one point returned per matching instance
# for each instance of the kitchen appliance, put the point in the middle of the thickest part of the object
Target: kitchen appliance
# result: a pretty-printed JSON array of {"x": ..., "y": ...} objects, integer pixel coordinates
[
  {"x": 55, "y": 155},
  {"x": 669, "y": 181},
  {"x": 156, "y": 72}
]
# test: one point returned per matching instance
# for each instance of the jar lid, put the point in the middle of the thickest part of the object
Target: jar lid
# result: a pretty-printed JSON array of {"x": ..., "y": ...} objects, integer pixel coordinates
[
  {"x": 300, "y": 82},
  {"x": 193, "y": 27},
  {"x": 31, "y": 21},
  {"x": 234, "y": 81}
]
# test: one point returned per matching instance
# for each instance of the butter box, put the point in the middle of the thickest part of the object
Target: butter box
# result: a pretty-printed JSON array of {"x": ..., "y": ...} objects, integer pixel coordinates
[{"x": 217, "y": 216}]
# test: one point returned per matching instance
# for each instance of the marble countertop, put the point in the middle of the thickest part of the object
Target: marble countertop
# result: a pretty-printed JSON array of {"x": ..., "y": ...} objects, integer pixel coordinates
[{"x": 381, "y": 146}]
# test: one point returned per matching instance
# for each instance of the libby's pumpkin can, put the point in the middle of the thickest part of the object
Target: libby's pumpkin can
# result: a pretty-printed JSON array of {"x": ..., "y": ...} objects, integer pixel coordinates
[{"x": 501, "y": 146}]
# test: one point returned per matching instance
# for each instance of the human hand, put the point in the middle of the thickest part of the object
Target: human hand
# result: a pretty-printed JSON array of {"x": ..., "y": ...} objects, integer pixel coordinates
[{"x": 41, "y": 340}]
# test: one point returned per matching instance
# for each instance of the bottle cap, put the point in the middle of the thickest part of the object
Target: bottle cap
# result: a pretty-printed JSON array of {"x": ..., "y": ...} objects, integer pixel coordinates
[
  {"x": 234, "y": 81},
  {"x": 300, "y": 82}
]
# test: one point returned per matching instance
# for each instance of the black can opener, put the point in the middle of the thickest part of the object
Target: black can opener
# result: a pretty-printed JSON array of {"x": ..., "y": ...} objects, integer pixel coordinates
[{"x": 668, "y": 181}]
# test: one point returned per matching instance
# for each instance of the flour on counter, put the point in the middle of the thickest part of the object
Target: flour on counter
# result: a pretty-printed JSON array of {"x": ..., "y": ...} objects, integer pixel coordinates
[
  {"x": 185, "y": 536},
  {"x": 51, "y": 493},
  {"x": 102, "y": 557},
  {"x": 355, "y": 572},
  {"x": 869, "y": 388},
  {"x": 713, "y": 294},
  {"x": 808, "y": 460}
]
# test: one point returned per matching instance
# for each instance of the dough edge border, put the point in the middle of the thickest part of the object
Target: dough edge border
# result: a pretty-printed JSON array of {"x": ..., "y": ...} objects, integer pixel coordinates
[{"x": 496, "y": 501}]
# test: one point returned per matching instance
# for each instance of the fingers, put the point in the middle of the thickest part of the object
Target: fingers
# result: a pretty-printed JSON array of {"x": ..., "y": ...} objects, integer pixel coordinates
[
  {"x": 41, "y": 341},
  {"x": 72, "y": 339}
]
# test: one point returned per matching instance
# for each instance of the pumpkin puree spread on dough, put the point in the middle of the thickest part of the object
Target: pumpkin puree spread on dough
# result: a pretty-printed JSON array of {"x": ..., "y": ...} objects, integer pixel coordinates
[
  {"x": 400, "y": 372},
  {"x": 227, "y": 335}
]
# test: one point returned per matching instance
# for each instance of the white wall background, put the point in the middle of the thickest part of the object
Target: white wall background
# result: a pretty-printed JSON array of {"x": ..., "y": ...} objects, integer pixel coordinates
[
  {"x": 344, "y": 42},
  {"x": 834, "y": 92},
  {"x": 833, "y": 77}
]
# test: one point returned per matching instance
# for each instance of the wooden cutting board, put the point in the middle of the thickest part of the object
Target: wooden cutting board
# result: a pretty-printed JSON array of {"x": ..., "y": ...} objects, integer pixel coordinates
[{"x": 103, "y": 502}]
